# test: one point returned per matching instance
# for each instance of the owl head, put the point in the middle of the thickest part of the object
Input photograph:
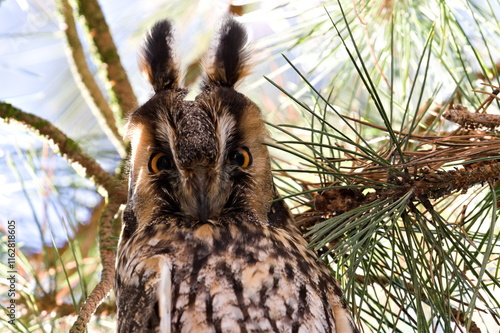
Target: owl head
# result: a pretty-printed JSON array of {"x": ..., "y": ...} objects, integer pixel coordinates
[{"x": 201, "y": 159}]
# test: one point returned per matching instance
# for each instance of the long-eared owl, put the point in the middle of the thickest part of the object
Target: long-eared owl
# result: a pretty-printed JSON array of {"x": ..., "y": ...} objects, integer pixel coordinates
[{"x": 205, "y": 245}]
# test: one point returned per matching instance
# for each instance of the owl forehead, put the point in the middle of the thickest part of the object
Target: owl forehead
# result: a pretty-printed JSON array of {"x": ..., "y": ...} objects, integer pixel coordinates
[{"x": 193, "y": 131}]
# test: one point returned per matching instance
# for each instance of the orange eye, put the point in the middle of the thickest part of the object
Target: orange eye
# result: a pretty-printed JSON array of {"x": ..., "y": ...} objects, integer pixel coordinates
[
  {"x": 240, "y": 157},
  {"x": 160, "y": 162}
]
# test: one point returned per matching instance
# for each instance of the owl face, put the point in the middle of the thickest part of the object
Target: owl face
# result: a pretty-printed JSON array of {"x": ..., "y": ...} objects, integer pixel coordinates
[{"x": 197, "y": 159}]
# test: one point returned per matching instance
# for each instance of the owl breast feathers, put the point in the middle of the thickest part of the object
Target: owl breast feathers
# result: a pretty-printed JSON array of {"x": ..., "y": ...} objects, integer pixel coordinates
[{"x": 205, "y": 247}]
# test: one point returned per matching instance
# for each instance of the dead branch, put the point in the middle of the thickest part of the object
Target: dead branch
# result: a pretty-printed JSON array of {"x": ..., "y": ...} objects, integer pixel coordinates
[{"x": 492, "y": 96}]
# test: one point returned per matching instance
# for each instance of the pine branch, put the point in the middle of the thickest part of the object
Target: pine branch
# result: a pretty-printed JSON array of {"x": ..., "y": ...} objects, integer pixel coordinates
[
  {"x": 121, "y": 89},
  {"x": 67, "y": 148},
  {"x": 101, "y": 109},
  {"x": 444, "y": 183},
  {"x": 424, "y": 186}
]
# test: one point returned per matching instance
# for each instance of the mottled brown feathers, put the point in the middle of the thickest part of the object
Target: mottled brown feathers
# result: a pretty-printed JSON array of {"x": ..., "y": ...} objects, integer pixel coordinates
[{"x": 205, "y": 247}]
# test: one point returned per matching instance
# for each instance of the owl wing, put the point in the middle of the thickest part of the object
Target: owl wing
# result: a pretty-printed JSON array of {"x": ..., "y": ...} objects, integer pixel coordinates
[{"x": 144, "y": 295}]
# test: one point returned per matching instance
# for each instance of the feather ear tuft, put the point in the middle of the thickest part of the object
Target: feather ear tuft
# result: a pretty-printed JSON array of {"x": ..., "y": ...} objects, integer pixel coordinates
[
  {"x": 228, "y": 60},
  {"x": 158, "y": 59}
]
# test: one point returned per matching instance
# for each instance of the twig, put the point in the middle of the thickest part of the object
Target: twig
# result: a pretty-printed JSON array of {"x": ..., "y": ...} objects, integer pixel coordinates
[
  {"x": 107, "y": 245},
  {"x": 121, "y": 89},
  {"x": 492, "y": 96},
  {"x": 100, "y": 107}
]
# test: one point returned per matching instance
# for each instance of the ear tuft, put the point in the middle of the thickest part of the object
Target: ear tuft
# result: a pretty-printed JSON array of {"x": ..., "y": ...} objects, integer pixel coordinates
[
  {"x": 228, "y": 61},
  {"x": 158, "y": 61}
]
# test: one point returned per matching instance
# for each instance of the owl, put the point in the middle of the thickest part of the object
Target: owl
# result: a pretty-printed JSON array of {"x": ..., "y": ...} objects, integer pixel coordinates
[{"x": 205, "y": 245}]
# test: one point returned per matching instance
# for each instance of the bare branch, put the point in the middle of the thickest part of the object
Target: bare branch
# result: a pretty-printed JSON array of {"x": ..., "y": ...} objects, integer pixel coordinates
[
  {"x": 67, "y": 148},
  {"x": 108, "y": 54},
  {"x": 107, "y": 245},
  {"x": 101, "y": 109}
]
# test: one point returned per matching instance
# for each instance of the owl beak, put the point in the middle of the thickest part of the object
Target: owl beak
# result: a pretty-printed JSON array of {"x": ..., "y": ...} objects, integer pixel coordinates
[
  {"x": 204, "y": 208},
  {"x": 204, "y": 203}
]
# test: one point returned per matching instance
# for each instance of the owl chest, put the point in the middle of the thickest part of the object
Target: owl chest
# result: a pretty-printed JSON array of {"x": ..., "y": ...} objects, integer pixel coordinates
[
  {"x": 228, "y": 284},
  {"x": 254, "y": 288}
]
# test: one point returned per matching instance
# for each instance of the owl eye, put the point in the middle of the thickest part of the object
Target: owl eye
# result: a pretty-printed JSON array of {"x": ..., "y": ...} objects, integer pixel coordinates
[
  {"x": 240, "y": 157},
  {"x": 160, "y": 162}
]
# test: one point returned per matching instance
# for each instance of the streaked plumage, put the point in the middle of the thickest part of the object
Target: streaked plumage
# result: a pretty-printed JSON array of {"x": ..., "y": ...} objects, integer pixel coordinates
[{"x": 204, "y": 247}]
